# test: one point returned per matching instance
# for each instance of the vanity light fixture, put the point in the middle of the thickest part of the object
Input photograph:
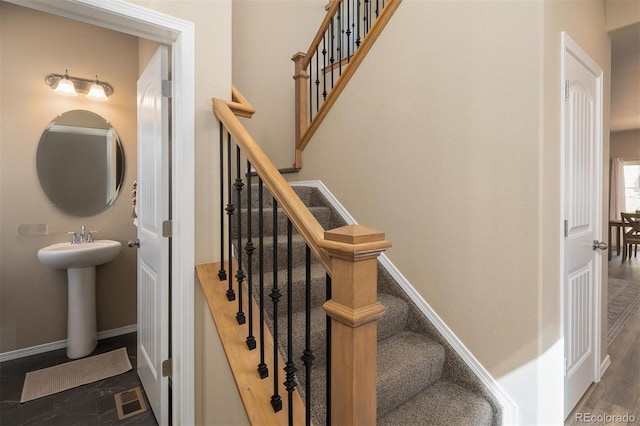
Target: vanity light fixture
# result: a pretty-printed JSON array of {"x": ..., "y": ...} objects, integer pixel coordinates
[{"x": 70, "y": 86}]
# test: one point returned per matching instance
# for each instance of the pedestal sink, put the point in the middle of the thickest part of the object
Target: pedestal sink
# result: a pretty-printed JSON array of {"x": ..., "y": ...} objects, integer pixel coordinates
[{"x": 80, "y": 261}]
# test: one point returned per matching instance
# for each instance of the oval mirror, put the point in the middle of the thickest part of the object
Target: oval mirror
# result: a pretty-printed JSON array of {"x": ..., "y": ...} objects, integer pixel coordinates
[{"x": 80, "y": 163}]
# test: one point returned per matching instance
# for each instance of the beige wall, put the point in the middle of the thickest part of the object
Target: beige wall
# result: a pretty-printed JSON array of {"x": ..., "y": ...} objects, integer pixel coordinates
[
  {"x": 621, "y": 13},
  {"x": 263, "y": 71},
  {"x": 625, "y": 145},
  {"x": 33, "y": 297},
  {"x": 217, "y": 403}
]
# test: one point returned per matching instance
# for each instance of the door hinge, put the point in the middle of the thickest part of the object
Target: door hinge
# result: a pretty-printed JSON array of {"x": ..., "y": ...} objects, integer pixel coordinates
[
  {"x": 167, "y": 228},
  {"x": 566, "y": 228},
  {"x": 566, "y": 89},
  {"x": 166, "y": 368},
  {"x": 564, "y": 367},
  {"x": 167, "y": 88}
]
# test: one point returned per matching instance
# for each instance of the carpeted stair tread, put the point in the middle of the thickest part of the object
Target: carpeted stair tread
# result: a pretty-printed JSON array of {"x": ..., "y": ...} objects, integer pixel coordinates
[
  {"x": 407, "y": 363},
  {"x": 392, "y": 322},
  {"x": 297, "y": 248},
  {"x": 304, "y": 192},
  {"x": 298, "y": 282},
  {"x": 442, "y": 404},
  {"x": 322, "y": 215}
]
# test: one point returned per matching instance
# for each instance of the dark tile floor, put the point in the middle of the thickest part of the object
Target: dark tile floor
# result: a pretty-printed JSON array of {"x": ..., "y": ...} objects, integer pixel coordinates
[{"x": 91, "y": 404}]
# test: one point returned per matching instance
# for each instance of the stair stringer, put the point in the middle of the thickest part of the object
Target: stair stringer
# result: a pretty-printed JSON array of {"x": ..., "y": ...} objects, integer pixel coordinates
[{"x": 470, "y": 373}]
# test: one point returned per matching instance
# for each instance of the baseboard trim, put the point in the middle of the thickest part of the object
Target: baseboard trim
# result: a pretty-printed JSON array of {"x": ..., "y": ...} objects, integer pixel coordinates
[
  {"x": 606, "y": 362},
  {"x": 509, "y": 407},
  {"x": 52, "y": 346}
]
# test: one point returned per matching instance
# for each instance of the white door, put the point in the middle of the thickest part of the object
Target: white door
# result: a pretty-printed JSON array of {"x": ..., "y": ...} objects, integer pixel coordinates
[
  {"x": 583, "y": 216},
  {"x": 153, "y": 253}
]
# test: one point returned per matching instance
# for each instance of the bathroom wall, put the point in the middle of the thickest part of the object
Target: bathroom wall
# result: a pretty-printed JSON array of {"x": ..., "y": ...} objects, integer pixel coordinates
[{"x": 33, "y": 297}]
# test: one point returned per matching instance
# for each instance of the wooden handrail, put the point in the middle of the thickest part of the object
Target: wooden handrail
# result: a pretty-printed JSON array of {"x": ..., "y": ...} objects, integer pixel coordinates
[
  {"x": 300, "y": 216},
  {"x": 239, "y": 104},
  {"x": 307, "y": 130},
  {"x": 333, "y": 8}
]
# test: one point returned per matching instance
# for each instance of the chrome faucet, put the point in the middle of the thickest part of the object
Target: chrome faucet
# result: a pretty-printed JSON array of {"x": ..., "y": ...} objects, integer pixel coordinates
[
  {"x": 74, "y": 237},
  {"x": 84, "y": 237}
]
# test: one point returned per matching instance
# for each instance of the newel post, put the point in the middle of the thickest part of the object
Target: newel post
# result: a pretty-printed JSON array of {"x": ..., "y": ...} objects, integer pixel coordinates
[
  {"x": 300, "y": 76},
  {"x": 354, "y": 309}
]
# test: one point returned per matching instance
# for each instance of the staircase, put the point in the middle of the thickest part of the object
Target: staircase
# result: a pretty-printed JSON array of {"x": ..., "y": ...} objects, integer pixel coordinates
[
  {"x": 390, "y": 365},
  {"x": 420, "y": 379}
]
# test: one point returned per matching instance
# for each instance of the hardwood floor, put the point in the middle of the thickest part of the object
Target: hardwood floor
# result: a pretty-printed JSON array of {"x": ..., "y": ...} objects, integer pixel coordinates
[{"x": 618, "y": 393}]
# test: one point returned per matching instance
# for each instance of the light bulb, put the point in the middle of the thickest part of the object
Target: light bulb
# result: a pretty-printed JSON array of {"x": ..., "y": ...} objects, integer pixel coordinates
[
  {"x": 65, "y": 86},
  {"x": 97, "y": 91}
]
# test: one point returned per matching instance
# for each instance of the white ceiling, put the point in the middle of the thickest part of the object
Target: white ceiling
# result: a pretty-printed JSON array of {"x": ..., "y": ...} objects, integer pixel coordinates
[{"x": 625, "y": 78}]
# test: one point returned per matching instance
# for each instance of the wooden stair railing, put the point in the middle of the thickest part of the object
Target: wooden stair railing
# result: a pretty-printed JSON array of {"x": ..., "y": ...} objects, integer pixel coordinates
[
  {"x": 348, "y": 255},
  {"x": 361, "y": 24},
  {"x": 239, "y": 104}
]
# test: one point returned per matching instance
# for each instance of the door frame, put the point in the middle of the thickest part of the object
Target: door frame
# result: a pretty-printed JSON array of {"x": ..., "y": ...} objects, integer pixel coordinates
[
  {"x": 570, "y": 47},
  {"x": 138, "y": 21}
]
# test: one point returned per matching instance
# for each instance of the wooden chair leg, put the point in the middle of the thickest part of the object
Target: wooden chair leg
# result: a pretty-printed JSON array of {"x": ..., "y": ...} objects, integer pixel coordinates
[{"x": 624, "y": 251}]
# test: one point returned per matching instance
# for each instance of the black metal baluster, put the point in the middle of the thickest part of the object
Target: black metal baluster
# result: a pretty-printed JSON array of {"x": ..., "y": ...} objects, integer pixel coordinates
[
  {"x": 222, "y": 274},
  {"x": 239, "y": 274},
  {"x": 276, "y": 401},
  {"x": 317, "y": 80},
  {"x": 249, "y": 248},
  {"x": 290, "y": 368},
  {"x": 263, "y": 370},
  {"x": 308, "y": 357},
  {"x": 328, "y": 372},
  {"x": 332, "y": 59},
  {"x": 367, "y": 13},
  {"x": 310, "y": 90},
  {"x": 357, "y": 23},
  {"x": 324, "y": 67},
  {"x": 231, "y": 295},
  {"x": 340, "y": 32},
  {"x": 377, "y": 8},
  {"x": 348, "y": 31}
]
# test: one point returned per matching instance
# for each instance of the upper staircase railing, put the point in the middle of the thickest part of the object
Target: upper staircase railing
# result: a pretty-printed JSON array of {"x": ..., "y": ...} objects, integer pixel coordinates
[
  {"x": 349, "y": 258},
  {"x": 346, "y": 34}
]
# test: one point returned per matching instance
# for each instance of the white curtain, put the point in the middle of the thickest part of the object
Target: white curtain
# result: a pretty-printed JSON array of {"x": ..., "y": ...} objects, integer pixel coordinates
[{"x": 617, "y": 202}]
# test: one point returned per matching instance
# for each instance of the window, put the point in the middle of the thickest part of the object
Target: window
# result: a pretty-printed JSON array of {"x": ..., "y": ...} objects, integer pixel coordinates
[{"x": 632, "y": 185}]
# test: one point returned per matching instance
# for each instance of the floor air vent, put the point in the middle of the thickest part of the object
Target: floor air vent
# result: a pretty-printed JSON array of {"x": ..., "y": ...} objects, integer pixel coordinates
[{"x": 129, "y": 403}]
